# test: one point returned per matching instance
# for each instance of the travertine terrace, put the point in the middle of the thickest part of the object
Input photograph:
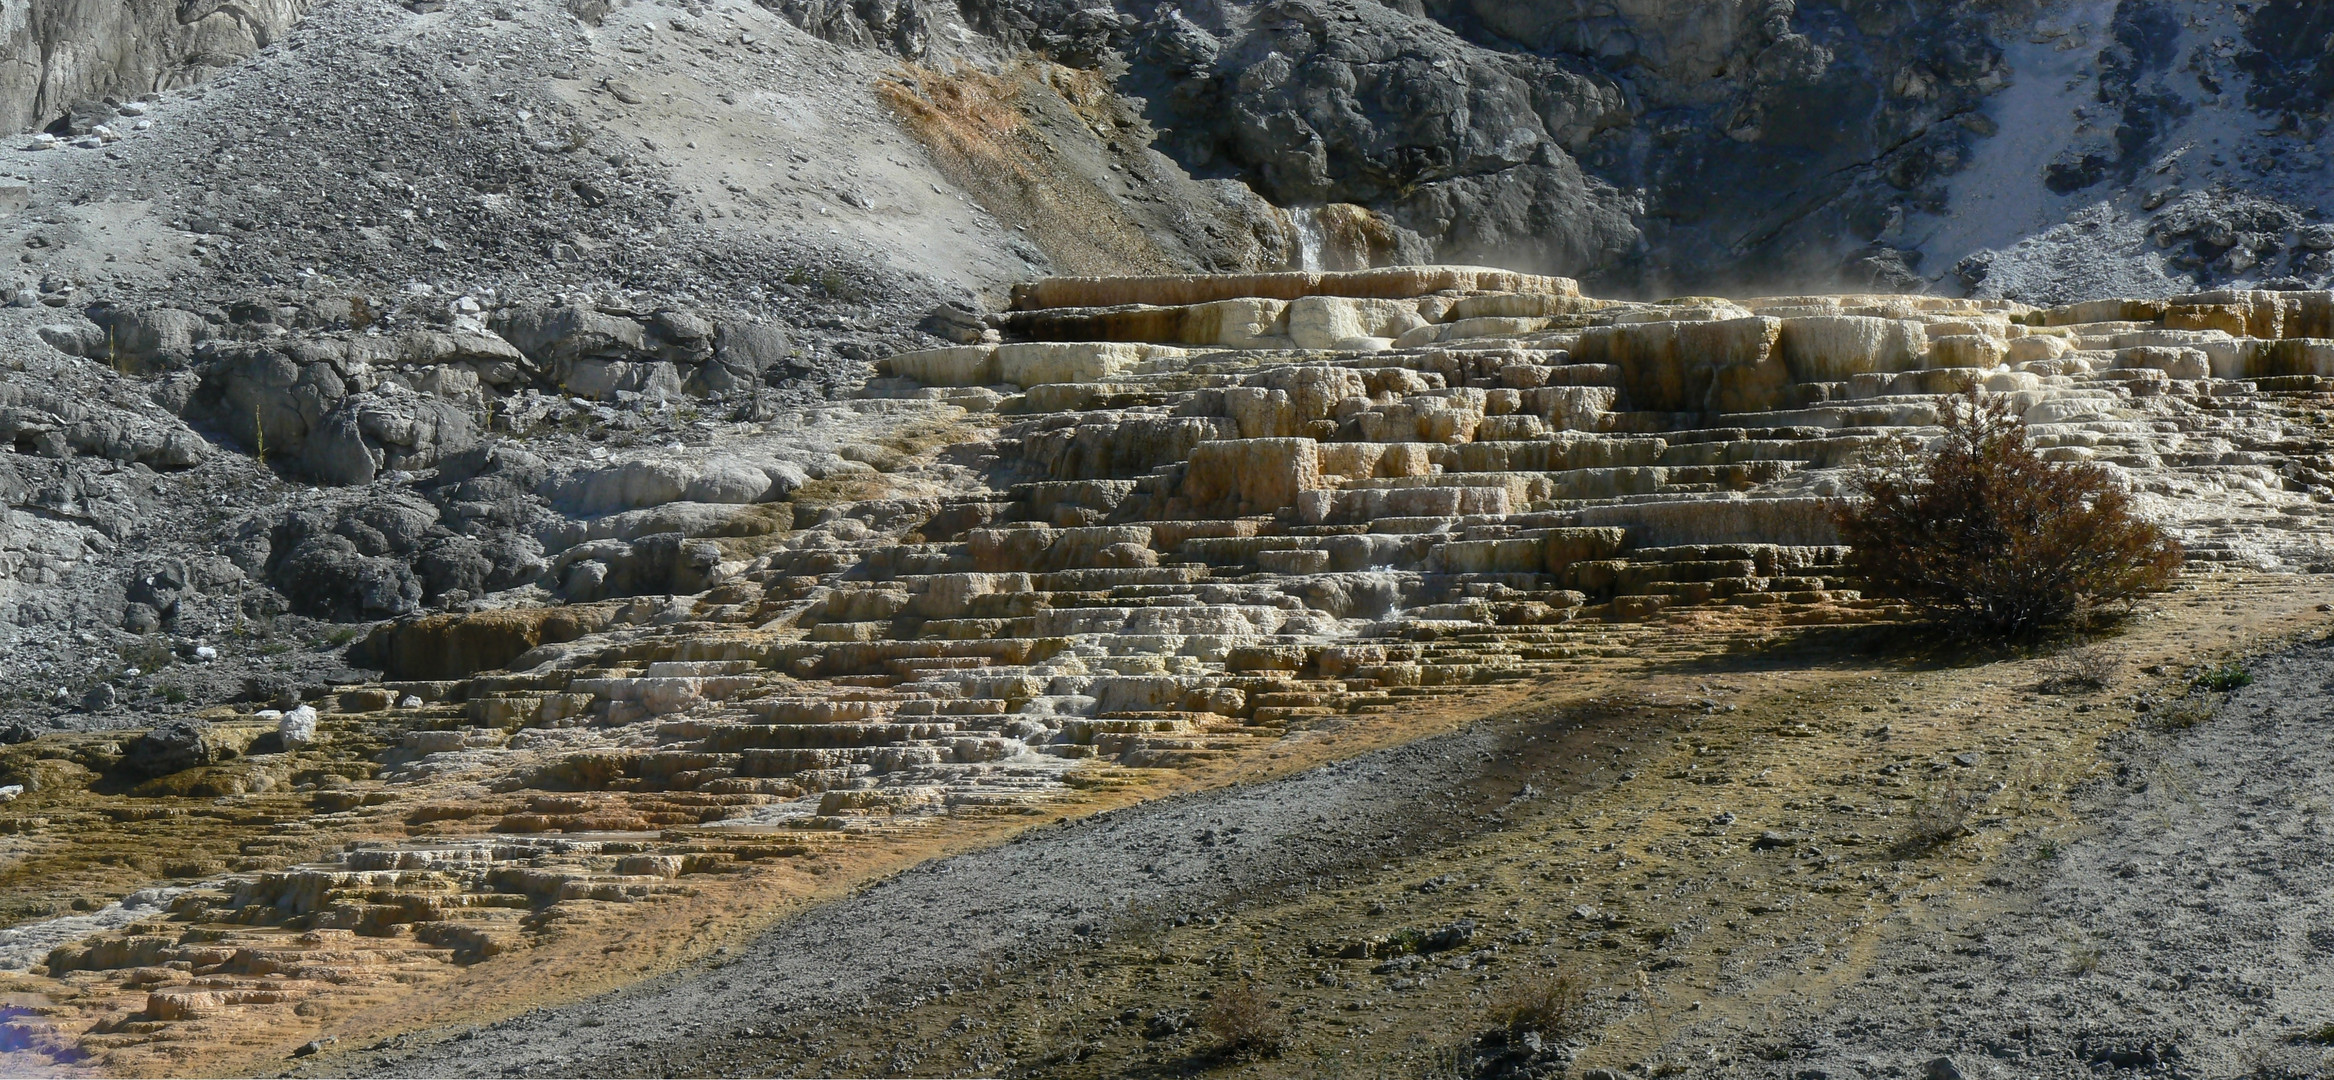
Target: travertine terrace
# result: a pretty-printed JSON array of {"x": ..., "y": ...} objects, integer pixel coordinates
[{"x": 1152, "y": 524}]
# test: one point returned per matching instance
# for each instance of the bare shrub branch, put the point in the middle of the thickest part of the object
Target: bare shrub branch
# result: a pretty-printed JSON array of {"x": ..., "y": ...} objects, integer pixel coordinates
[
  {"x": 1553, "y": 1004},
  {"x": 1940, "y": 818}
]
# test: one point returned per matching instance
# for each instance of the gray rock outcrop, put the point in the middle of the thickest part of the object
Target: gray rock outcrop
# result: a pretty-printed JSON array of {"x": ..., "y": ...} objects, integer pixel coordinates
[
  {"x": 60, "y": 60},
  {"x": 1637, "y": 143}
]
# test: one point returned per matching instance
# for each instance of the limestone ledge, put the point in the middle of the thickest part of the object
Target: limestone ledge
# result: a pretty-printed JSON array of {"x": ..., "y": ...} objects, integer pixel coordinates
[{"x": 1155, "y": 550}]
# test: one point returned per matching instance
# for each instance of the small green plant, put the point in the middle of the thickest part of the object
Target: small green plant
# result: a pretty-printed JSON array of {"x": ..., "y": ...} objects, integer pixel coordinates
[
  {"x": 2226, "y": 677},
  {"x": 2046, "y": 851},
  {"x": 149, "y": 654},
  {"x": 2322, "y": 1035},
  {"x": 174, "y": 695},
  {"x": 1402, "y": 942},
  {"x": 1553, "y": 1004},
  {"x": 840, "y": 286},
  {"x": 342, "y": 635},
  {"x": 1245, "y": 1023},
  {"x": 2084, "y": 959}
]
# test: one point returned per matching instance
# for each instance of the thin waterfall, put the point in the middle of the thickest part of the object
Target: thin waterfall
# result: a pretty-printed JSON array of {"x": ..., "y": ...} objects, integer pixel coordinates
[{"x": 1305, "y": 221}]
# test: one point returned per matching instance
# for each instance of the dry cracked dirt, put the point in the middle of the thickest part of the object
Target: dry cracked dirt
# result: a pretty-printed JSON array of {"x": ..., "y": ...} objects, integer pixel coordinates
[{"x": 1020, "y": 537}]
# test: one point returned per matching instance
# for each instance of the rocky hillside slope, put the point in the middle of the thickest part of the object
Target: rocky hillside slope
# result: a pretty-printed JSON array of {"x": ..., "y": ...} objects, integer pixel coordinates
[
  {"x": 2039, "y": 150},
  {"x": 252, "y": 315},
  {"x": 726, "y": 367}
]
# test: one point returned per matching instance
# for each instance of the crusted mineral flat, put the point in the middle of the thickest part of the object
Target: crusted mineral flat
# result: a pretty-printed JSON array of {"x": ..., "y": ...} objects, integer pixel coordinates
[{"x": 1159, "y": 527}]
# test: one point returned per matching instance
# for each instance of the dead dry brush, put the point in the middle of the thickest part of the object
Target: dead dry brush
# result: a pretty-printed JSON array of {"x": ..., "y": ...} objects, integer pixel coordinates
[
  {"x": 2080, "y": 670},
  {"x": 2182, "y": 713},
  {"x": 1940, "y": 817},
  {"x": 1142, "y": 928}
]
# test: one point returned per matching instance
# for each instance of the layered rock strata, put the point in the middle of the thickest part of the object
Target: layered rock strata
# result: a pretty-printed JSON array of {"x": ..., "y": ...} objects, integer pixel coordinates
[{"x": 1165, "y": 521}]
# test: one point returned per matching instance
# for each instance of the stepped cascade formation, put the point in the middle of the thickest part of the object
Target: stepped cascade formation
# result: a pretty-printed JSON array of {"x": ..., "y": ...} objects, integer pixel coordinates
[{"x": 1137, "y": 524}]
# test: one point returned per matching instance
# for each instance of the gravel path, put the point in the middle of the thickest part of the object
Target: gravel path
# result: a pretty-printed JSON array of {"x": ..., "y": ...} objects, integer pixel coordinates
[{"x": 1016, "y": 902}]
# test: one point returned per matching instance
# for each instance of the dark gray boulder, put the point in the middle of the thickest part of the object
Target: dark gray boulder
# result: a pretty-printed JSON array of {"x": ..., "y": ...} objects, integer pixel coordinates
[{"x": 172, "y": 747}]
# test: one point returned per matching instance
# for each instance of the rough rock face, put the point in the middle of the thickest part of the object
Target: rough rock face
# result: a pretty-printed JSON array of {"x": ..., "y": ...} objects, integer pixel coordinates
[
  {"x": 72, "y": 63},
  {"x": 1655, "y": 147},
  {"x": 355, "y": 264},
  {"x": 1631, "y": 143},
  {"x": 341, "y": 405},
  {"x": 1156, "y": 541},
  {"x": 1159, "y": 540},
  {"x": 653, "y": 376},
  {"x": 173, "y": 747},
  {"x": 1053, "y": 150}
]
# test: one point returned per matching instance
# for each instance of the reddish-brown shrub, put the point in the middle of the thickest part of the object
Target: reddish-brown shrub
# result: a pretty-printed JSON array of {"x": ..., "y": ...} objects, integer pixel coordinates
[{"x": 1987, "y": 537}]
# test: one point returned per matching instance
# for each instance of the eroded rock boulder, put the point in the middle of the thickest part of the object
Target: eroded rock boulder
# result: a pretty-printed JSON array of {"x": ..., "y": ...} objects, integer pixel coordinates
[
  {"x": 51, "y": 423},
  {"x": 175, "y": 746},
  {"x": 597, "y": 353},
  {"x": 669, "y": 563}
]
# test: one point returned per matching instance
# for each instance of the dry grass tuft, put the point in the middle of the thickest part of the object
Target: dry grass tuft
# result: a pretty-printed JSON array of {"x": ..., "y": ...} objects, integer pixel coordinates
[
  {"x": 2080, "y": 670},
  {"x": 1553, "y": 1004},
  {"x": 1244, "y": 1022}
]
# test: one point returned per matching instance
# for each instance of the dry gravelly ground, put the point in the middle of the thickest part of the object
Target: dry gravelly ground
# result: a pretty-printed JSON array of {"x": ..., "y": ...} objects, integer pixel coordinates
[
  {"x": 2175, "y": 930},
  {"x": 2185, "y": 934},
  {"x": 1021, "y": 903}
]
